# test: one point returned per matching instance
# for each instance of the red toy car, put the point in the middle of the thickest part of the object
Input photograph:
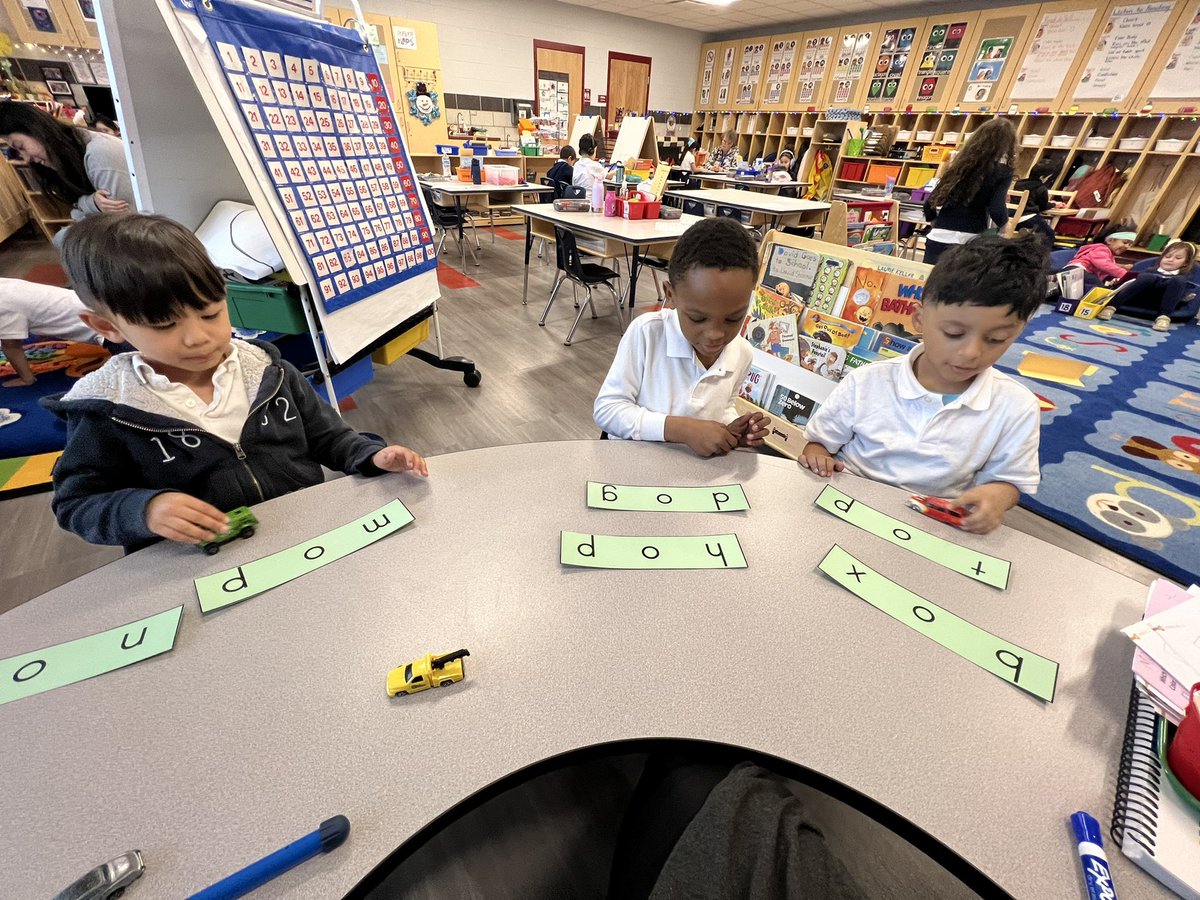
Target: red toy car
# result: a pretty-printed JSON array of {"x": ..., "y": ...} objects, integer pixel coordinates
[{"x": 938, "y": 508}]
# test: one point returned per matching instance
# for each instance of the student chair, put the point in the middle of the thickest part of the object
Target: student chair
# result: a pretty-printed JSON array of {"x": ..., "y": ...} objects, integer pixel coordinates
[
  {"x": 1015, "y": 202},
  {"x": 574, "y": 192},
  {"x": 548, "y": 198},
  {"x": 448, "y": 219},
  {"x": 586, "y": 275},
  {"x": 693, "y": 207}
]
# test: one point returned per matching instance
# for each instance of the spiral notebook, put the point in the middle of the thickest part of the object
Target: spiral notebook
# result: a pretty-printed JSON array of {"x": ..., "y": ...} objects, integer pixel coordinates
[{"x": 1151, "y": 823}]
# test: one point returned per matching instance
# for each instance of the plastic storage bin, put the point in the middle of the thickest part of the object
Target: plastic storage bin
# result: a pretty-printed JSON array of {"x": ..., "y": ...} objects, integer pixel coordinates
[
  {"x": 502, "y": 174},
  {"x": 266, "y": 307}
]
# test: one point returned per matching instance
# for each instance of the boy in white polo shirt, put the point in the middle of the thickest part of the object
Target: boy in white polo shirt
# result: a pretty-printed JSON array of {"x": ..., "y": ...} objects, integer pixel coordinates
[
  {"x": 26, "y": 308},
  {"x": 678, "y": 370},
  {"x": 941, "y": 421}
]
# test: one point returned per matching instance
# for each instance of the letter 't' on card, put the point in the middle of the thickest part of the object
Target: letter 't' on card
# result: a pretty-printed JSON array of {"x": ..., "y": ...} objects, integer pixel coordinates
[
  {"x": 63, "y": 664},
  {"x": 223, "y": 589},
  {"x": 644, "y": 498},
  {"x": 605, "y": 551},
  {"x": 1016, "y": 665},
  {"x": 989, "y": 570}
]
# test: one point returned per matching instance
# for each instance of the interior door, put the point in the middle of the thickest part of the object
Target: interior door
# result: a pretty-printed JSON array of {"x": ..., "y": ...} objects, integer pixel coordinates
[
  {"x": 628, "y": 87},
  {"x": 558, "y": 82}
]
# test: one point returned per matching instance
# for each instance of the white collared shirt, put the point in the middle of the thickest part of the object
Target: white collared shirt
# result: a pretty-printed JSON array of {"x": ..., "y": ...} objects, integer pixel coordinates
[
  {"x": 884, "y": 425},
  {"x": 656, "y": 374},
  {"x": 230, "y": 405}
]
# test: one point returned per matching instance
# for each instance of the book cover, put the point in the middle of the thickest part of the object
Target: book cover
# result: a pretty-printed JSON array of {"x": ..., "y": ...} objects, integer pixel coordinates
[
  {"x": 813, "y": 278},
  {"x": 894, "y": 345},
  {"x": 776, "y": 336},
  {"x": 830, "y": 329},
  {"x": 770, "y": 304},
  {"x": 792, "y": 406},
  {"x": 883, "y": 300},
  {"x": 856, "y": 360},
  {"x": 825, "y": 359},
  {"x": 757, "y": 387}
]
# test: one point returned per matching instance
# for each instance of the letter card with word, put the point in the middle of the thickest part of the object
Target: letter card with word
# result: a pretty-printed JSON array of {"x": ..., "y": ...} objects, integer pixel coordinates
[{"x": 314, "y": 102}]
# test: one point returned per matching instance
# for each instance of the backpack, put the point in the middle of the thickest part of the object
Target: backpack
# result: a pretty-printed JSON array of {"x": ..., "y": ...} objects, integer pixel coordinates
[{"x": 1096, "y": 188}]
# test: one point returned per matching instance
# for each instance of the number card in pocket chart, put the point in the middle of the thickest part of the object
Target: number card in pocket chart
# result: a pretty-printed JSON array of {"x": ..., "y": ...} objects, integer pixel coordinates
[
  {"x": 318, "y": 114},
  {"x": 606, "y": 551},
  {"x": 975, "y": 565},
  {"x": 644, "y": 498},
  {"x": 1023, "y": 668},
  {"x": 232, "y": 586}
]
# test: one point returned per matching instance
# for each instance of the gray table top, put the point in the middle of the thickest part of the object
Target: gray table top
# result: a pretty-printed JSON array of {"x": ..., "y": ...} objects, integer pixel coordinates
[
  {"x": 757, "y": 202},
  {"x": 635, "y": 232},
  {"x": 454, "y": 186},
  {"x": 271, "y": 716}
]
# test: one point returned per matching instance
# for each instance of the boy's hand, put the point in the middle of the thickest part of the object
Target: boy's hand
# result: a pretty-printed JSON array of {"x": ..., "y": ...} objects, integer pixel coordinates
[
  {"x": 986, "y": 505},
  {"x": 183, "y": 518},
  {"x": 400, "y": 459},
  {"x": 750, "y": 429},
  {"x": 708, "y": 438},
  {"x": 107, "y": 204},
  {"x": 819, "y": 461}
]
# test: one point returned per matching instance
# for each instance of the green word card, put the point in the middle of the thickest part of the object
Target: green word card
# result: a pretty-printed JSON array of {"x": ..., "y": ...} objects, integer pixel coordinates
[
  {"x": 223, "y": 589},
  {"x": 605, "y": 551},
  {"x": 979, "y": 566},
  {"x": 643, "y": 498},
  {"x": 1014, "y": 664},
  {"x": 84, "y": 658}
]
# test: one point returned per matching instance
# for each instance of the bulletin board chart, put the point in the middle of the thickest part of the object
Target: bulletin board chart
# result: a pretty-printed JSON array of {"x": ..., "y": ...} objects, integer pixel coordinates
[
  {"x": 853, "y": 59},
  {"x": 1171, "y": 83},
  {"x": 1120, "y": 54},
  {"x": 944, "y": 50},
  {"x": 998, "y": 43},
  {"x": 892, "y": 68},
  {"x": 1064, "y": 31},
  {"x": 303, "y": 108}
]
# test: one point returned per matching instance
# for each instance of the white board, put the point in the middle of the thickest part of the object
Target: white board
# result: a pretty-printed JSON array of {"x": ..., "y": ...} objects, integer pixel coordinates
[
  {"x": 581, "y": 126},
  {"x": 631, "y": 140}
]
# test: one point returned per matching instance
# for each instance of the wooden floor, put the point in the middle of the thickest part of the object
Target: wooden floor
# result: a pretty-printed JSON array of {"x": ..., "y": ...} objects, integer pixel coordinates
[{"x": 534, "y": 389}]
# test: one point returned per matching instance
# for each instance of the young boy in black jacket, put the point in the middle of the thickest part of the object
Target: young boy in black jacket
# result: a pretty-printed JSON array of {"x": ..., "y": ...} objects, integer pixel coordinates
[
  {"x": 563, "y": 171},
  {"x": 162, "y": 442}
]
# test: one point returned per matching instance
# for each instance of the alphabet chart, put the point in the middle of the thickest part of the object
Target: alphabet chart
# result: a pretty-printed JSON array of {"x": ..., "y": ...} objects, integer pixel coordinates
[
  {"x": 979, "y": 566},
  {"x": 1023, "y": 668},
  {"x": 232, "y": 586},
  {"x": 314, "y": 103}
]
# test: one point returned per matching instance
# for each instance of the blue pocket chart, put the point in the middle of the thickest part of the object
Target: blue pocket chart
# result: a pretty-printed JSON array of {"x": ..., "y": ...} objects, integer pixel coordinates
[{"x": 314, "y": 103}]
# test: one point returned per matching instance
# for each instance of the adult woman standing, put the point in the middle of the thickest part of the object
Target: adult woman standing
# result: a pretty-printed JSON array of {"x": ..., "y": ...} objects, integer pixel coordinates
[
  {"x": 973, "y": 189},
  {"x": 84, "y": 168}
]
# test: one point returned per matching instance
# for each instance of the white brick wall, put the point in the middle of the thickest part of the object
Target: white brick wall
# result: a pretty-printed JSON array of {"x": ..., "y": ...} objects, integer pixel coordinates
[{"x": 487, "y": 45}]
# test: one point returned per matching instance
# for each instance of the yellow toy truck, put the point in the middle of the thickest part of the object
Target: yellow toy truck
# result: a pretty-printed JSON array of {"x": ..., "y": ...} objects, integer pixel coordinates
[{"x": 426, "y": 672}]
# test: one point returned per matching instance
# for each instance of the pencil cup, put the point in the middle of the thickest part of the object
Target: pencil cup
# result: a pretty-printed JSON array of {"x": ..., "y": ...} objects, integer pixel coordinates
[{"x": 1184, "y": 753}]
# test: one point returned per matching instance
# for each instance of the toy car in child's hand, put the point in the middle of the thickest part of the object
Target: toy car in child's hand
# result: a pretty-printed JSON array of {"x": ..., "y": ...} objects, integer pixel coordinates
[
  {"x": 937, "y": 508},
  {"x": 426, "y": 672},
  {"x": 241, "y": 524}
]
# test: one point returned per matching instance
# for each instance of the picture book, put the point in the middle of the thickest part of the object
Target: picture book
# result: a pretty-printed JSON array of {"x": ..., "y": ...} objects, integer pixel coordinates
[
  {"x": 770, "y": 304},
  {"x": 856, "y": 360},
  {"x": 879, "y": 345},
  {"x": 776, "y": 336},
  {"x": 825, "y": 359},
  {"x": 883, "y": 300},
  {"x": 792, "y": 406},
  {"x": 830, "y": 329},
  {"x": 757, "y": 387},
  {"x": 815, "y": 279},
  {"x": 894, "y": 345}
]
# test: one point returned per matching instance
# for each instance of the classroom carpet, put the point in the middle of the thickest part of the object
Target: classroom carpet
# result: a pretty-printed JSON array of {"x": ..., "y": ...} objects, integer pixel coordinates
[
  {"x": 1120, "y": 448},
  {"x": 31, "y": 437}
]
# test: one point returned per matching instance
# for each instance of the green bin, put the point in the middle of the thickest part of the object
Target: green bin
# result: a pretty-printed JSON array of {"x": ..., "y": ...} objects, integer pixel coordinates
[{"x": 266, "y": 307}]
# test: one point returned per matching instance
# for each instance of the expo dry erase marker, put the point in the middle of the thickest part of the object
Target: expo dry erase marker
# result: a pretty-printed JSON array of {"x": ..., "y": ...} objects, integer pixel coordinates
[
  {"x": 331, "y": 834},
  {"x": 1096, "y": 874}
]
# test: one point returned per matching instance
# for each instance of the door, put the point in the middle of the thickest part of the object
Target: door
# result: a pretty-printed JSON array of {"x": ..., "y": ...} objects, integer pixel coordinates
[
  {"x": 628, "y": 88},
  {"x": 558, "y": 82}
]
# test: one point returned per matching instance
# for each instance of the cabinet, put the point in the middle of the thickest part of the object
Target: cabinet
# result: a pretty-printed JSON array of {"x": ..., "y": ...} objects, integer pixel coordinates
[{"x": 50, "y": 215}]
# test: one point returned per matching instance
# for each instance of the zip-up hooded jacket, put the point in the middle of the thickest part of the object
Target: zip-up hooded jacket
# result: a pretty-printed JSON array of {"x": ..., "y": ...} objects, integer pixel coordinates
[{"x": 125, "y": 446}]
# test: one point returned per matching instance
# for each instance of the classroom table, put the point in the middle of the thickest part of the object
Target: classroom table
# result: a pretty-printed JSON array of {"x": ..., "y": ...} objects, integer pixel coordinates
[
  {"x": 635, "y": 234},
  {"x": 754, "y": 184},
  {"x": 271, "y": 716},
  {"x": 458, "y": 189},
  {"x": 810, "y": 212}
]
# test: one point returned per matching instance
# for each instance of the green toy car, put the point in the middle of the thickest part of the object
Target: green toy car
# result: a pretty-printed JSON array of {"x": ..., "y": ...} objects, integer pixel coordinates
[{"x": 241, "y": 524}]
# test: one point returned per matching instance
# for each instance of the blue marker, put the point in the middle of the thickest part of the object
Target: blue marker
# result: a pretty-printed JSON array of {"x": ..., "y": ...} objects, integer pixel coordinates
[
  {"x": 331, "y": 834},
  {"x": 1096, "y": 874}
]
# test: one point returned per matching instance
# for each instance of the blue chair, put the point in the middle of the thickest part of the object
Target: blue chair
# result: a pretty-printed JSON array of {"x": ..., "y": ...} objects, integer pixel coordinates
[{"x": 585, "y": 275}]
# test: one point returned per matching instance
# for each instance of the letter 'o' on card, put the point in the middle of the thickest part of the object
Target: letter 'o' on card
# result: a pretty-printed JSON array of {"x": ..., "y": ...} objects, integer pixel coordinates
[
  {"x": 605, "y": 551},
  {"x": 646, "y": 498},
  {"x": 1016, "y": 665}
]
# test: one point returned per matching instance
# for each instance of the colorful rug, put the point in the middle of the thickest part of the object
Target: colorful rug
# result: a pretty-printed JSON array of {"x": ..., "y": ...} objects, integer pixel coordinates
[
  {"x": 1120, "y": 449},
  {"x": 31, "y": 437}
]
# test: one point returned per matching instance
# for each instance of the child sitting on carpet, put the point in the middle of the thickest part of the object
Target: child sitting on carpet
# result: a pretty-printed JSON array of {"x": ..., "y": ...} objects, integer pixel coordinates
[
  {"x": 1161, "y": 290},
  {"x": 28, "y": 308},
  {"x": 161, "y": 443},
  {"x": 1098, "y": 259},
  {"x": 941, "y": 420}
]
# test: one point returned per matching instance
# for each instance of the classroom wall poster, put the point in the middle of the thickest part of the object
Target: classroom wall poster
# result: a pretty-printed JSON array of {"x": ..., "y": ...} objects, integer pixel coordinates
[
  {"x": 851, "y": 61},
  {"x": 1121, "y": 50},
  {"x": 985, "y": 71},
  {"x": 316, "y": 109},
  {"x": 1050, "y": 54},
  {"x": 812, "y": 67},
  {"x": 895, "y": 49},
  {"x": 783, "y": 56},
  {"x": 710, "y": 63},
  {"x": 726, "y": 75},
  {"x": 1182, "y": 71},
  {"x": 938, "y": 56},
  {"x": 752, "y": 57}
]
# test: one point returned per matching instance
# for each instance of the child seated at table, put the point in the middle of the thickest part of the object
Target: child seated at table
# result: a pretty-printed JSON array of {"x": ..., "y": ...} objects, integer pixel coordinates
[
  {"x": 27, "y": 308},
  {"x": 586, "y": 169},
  {"x": 941, "y": 421},
  {"x": 677, "y": 370},
  {"x": 1159, "y": 291},
  {"x": 162, "y": 442},
  {"x": 563, "y": 171}
]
